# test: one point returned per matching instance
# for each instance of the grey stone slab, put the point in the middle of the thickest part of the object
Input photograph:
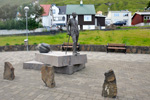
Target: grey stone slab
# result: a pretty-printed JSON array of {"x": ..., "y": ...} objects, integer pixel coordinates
[
  {"x": 60, "y": 59},
  {"x": 62, "y": 70},
  {"x": 69, "y": 69},
  {"x": 32, "y": 65}
]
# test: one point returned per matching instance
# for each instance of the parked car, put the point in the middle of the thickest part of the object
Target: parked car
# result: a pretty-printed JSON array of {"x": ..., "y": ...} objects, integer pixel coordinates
[
  {"x": 119, "y": 23},
  {"x": 54, "y": 27}
]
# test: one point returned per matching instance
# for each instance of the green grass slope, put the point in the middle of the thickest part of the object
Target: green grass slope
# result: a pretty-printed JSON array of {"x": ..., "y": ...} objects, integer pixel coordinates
[
  {"x": 100, "y": 5},
  {"x": 136, "y": 37}
]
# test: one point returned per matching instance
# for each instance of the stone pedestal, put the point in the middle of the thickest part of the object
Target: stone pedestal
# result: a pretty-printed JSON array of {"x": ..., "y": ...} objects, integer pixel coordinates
[{"x": 62, "y": 63}]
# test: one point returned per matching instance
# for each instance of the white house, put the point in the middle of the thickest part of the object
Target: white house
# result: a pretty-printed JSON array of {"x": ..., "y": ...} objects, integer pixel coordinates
[
  {"x": 123, "y": 15},
  {"x": 47, "y": 16},
  {"x": 59, "y": 15}
]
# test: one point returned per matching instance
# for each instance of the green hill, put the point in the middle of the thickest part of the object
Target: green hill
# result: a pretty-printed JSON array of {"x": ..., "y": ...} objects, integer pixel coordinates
[
  {"x": 100, "y": 5},
  {"x": 14, "y": 2}
]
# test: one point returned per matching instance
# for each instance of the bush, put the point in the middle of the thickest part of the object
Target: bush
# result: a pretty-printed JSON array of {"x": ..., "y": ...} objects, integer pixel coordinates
[
  {"x": 7, "y": 44},
  {"x": 19, "y": 24}
]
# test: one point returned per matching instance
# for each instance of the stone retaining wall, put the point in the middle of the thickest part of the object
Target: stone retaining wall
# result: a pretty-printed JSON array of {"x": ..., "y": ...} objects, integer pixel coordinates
[{"x": 101, "y": 48}]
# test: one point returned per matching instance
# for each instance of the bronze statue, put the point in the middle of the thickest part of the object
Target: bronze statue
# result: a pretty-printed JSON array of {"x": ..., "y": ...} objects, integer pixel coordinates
[{"x": 73, "y": 31}]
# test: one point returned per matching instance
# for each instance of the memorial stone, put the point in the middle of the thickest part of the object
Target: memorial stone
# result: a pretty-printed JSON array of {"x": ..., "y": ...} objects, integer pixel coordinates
[
  {"x": 109, "y": 86},
  {"x": 8, "y": 71},
  {"x": 48, "y": 76}
]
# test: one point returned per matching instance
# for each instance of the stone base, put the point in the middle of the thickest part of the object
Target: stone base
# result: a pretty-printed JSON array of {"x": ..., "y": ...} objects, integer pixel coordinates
[
  {"x": 33, "y": 65},
  {"x": 62, "y": 63},
  {"x": 60, "y": 59},
  {"x": 62, "y": 70},
  {"x": 69, "y": 69}
]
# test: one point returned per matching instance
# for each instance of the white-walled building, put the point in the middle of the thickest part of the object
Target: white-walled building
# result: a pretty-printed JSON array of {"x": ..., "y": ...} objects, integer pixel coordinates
[
  {"x": 59, "y": 15},
  {"x": 47, "y": 16},
  {"x": 123, "y": 15}
]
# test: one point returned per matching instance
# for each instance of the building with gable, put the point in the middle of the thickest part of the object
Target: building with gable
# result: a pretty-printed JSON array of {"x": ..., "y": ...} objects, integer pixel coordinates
[
  {"x": 59, "y": 15},
  {"x": 85, "y": 15},
  {"x": 123, "y": 15},
  {"x": 141, "y": 18},
  {"x": 47, "y": 16}
]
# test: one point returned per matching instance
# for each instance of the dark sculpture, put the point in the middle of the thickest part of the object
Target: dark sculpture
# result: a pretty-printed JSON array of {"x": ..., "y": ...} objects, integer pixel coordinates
[
  {"x": 44, "y": 48},
  {"x": 73, "y": 31}
]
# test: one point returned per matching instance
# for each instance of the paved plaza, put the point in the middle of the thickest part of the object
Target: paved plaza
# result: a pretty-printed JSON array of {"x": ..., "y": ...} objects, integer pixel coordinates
[{"x": 132, "y": 73}]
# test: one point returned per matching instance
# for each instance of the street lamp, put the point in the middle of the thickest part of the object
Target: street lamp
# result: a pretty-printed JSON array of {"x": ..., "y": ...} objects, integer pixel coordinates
[{"x": 26, "y": 14}]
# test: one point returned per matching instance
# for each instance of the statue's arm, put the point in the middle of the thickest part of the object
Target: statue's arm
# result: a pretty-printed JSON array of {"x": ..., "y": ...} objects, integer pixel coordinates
[{"x": 68, "y": 27}]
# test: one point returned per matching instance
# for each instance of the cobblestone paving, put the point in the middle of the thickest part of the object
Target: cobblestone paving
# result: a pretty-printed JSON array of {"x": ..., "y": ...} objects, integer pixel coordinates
[{"x": 132, "y": 74}]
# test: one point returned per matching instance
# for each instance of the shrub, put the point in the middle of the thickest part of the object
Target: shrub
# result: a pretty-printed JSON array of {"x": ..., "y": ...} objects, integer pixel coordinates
[
  {"x": 7, "y": 44},
  {"x": 19, "y": 24},
  {"x": 34, "y": 43}
]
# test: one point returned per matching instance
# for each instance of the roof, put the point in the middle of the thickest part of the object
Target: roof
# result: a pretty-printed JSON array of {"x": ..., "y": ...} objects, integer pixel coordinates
[
  {"x": 99, "y": 12},
  {"x": 80, "y": 9},
  {"x": 62, "y": 9},
  {"x": 100, "y": 16},
  {"x": 141, "y": 13},
  {"x": 121, "y": 11},
  {"x": 46, "y": 9}
]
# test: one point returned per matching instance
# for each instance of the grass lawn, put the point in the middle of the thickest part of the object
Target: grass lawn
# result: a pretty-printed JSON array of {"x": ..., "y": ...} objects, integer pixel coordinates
[{"x": 136, "y": 37}]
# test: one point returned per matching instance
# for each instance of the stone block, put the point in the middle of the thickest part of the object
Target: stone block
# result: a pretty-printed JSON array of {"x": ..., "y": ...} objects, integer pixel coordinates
[
  {"x": 60, "y": 59},
  {"x": 32, "y": 65},
  {"x": 8, "y": 71},
  {"x": 69, "y": 69},
  {"x": 109, "y": 86},
  {"x": 48, "y": 76}
]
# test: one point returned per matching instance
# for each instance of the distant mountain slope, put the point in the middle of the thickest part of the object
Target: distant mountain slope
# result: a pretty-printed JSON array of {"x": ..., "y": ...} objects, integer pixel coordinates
[
  {"x": 100, "y": 5},
  {"x": 14, "y": 2}
]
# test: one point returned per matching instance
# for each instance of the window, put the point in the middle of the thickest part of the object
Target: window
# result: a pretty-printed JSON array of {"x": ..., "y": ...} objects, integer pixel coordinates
[
  {"x": 87, "y": 18},
  {"x": 59, "y": 18},
  {"x": 146, "y": 17},
  {"x": 116, "y": 14},
  {"x": 125, "y": 15},
  {"x": 54, "y": 11}
]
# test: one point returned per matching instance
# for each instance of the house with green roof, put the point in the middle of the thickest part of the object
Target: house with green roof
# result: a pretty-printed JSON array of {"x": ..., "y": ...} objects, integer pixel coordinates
[{"x": 85, "y": 15}]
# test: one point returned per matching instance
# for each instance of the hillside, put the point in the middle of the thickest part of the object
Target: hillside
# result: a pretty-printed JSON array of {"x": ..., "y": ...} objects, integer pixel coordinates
[
  {"x": 102, "y": 5},
  {"x": 14, "y": 2}
]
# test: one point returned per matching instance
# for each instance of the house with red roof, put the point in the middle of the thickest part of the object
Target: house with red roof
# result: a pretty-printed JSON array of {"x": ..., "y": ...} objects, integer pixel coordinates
[
  {"x": 141, "y": 18},
  {"x": 47, "y": 16}
]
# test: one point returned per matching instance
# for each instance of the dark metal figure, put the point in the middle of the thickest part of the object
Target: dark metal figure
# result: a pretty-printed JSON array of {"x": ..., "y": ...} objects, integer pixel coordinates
[{"x": 73, "y": 31}]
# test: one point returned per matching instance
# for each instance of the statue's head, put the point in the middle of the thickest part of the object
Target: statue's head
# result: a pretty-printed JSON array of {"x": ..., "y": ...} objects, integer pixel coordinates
[{"x": 74, "y": 15}]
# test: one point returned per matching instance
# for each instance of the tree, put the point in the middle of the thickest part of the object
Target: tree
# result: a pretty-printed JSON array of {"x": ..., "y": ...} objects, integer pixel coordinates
[
  {"x": 148, "y": 4},
  {"x": 8, "y": 12},
  {"x": 35, "y": 10}
]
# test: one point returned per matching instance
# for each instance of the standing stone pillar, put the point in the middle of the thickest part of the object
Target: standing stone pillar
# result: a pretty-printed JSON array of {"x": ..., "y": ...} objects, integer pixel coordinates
[
  {"x": 8, "y": 71},
  {"x": 109, "y": 86},
  {"x": 48, "y": 76}
]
